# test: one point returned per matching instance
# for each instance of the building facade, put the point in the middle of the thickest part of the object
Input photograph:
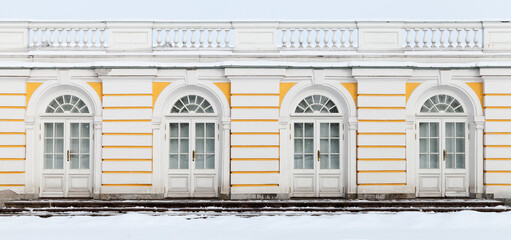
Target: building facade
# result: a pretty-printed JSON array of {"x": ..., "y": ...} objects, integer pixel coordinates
[{"x": 245, "y": 110}]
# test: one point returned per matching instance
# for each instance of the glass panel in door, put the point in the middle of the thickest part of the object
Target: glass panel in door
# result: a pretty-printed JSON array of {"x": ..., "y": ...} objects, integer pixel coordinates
[
  {"x": 179, "y": 145},
  {"x": 204, "y": 145},
  {"x": 80, "y": 146},
  {"x": 304, "y": 146},
  {"x": 53, "y": 146},
  {"x": 329, "y": 145},
  {"x": 429, "y": 145}
]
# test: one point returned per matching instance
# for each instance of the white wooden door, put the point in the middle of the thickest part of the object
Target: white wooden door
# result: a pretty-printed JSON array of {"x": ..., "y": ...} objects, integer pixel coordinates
[
  {"x": 443, "y": 157},
  {"x": 317, "y": 158},
  {"x": 192, "y": 154},
  {"x": 67, "y": 159}
]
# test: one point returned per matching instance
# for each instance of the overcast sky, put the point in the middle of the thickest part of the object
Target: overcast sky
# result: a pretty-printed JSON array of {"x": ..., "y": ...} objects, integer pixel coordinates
[{"x": 256, "y": 9}]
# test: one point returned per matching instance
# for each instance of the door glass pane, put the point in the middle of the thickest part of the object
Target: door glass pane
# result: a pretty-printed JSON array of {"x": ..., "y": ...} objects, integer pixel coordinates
[
  {"x": 75, "y": 161},
  {"x": 53, "y": 146},
  {"x": 199, "y": 161},
  {"x": 429, "y": 145},
  {"x": 298, "y": 129},
  {"x": 308, "y": 161},
  {"x": 75, "y": 143},
  {"x": 59, "y": 130},
  {"x": 84, "y": 161},
  {"x": 334, "y": 130},
  {"x": 334, "y": 161},
  {"x": 460, "y": 150},
  {"x": 309, "y": 130},
  {"x": 210, "y": 161},
  {"x": 323, "y": 130},
  {"x": 58, "y": 161},
  {"x": 449, "y": 129},
  {"x": 324, "y": 161},
  {"x": 460, "y": 129},
  {"x": 449, "y": 161},
  {"x": 205, "y": 146},
  {"x": 85, "y": 129},
  {"x": 75, "y": 129},
  {"x": 298, "y": 161},
  {"x": 460, "y": 161},
  {"x": 178, "y": 145},
  {"x": 183, "y": 161}
]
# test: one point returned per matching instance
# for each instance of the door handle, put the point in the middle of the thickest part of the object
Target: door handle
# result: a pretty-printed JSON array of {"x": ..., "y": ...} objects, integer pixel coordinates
[
  {"x": 319, "y": 155},
  {"x": 193, "y": 155},
  {"x": 68, "y": 153},
  {"x": 445, "y": 154}
]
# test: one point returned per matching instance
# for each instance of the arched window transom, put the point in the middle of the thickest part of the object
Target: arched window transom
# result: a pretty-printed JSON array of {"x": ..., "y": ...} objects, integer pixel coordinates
[
  {"x": 192, "y": 104},
  {"x": 442, "y": 103},
  {"x": 67, "y": 104},
  {"x": 316, "y": 104}
]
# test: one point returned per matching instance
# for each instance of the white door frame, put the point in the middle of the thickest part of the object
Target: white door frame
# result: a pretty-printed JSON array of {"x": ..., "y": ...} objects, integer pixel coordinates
[
  {"x": 66, "y": 172},
  {"x": 316, "y": 171},
  {"x": 191, "y": 174},
  {"x": 444, "y": 173}
]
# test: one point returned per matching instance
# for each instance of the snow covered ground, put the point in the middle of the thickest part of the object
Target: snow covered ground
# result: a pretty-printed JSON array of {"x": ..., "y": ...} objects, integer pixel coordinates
[{"x": 403, "y": 225}]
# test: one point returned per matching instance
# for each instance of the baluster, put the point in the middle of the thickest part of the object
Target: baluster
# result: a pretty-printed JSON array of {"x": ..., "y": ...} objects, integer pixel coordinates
[
  {"x": 309, "y": 38},
  {"x": 44, "y": 43},
  {"x": 102, "y": 37},
  {"x": 300, "y": 35},
  {"x": 35, "y": 31},
  {"x": 158, "y": 37},
  {"x": 476, "y": 38},
  {"x": 467, "y": 38},
  {"x": 292, "y": 40},
  {"x": 52, "y": 38},
  {"x": 451, "y": 37},
  {"x": 193, "y": 38},
  {"x": 201, "y": 38},
  {"x": 284, "y": 42},
  {"x": 210, "y": 38},
  {"x": 228, "y": 37},
  {"x": 59, "y": 32},
  {"x": 175, "y": 38},
  {"x": 68, "y": 37},
  {"x": 433, "y": 37},
  {"x": 459, "y": 38},
  {"x": 94, "y": 32},
  {"x": 334, "y": 38},
  {"x": 408, "y": 38},
  {"x": 416, "y": 40},
  {"x": 325, "y": 38},
  {"x": 343, "y": 38},
  {"x": 167, "y": 38},
  {"x": 185, "y": 38},
  {"x": 442, "y": 38},
  {"x": 77, "y": 39},
  {"x": 85, "y": 37},
  {"x": 317, "y": 37},
  {"x": 218, "y": 39},
  {"x": 352, "y": 38},
  {"x": 425, "y": 43}
]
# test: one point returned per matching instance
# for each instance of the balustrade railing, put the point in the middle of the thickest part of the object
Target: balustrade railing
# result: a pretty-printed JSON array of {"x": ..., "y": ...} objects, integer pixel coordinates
[
  {"x": 68, "y": 36},
  {"x": 286, "y": 36},
  {"x": 181, "y": 36},
  {"x": 320, "y": 36},
  {"x": 443, "y": 36}
]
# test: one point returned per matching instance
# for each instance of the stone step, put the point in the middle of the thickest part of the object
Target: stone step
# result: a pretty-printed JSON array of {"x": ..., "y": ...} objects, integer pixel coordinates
[{"x": 309, "y": 205}]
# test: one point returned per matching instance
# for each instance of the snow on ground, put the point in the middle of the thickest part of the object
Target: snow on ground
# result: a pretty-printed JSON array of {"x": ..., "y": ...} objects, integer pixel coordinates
[{"x": 403, "y": 225}]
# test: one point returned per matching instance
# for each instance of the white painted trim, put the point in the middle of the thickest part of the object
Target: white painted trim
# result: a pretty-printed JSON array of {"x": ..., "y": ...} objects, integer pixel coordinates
[
  {"x": 35, "y": 109},
  {"x": 162, "y": 106},
  {"x": 346, "y": 105}
]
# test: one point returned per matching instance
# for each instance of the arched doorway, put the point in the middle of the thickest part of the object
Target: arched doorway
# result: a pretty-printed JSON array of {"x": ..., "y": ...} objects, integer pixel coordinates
[
  {"x": 317, "y": 133},
  {"x": 192, "y": 149},
  {"x": 66, "y": 137},
  {"x": 443, "y": 147}
]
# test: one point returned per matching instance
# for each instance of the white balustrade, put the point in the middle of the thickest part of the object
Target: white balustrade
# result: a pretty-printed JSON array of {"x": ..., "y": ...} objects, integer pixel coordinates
[
  {"x": 182, "y": 36},
  {"x": 442, "y": 36},
  {"x": 67, "y": 36},
  {"x": 320, "y": 36}
]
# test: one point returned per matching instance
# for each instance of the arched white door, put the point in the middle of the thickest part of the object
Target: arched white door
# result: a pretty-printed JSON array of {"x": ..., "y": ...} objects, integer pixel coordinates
[
  {"x": 443, "y": 148},
  {"x": 66, "y": 140},
  {"x": 191, "y": 134},
  {"x": 317, "y": 135}
]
